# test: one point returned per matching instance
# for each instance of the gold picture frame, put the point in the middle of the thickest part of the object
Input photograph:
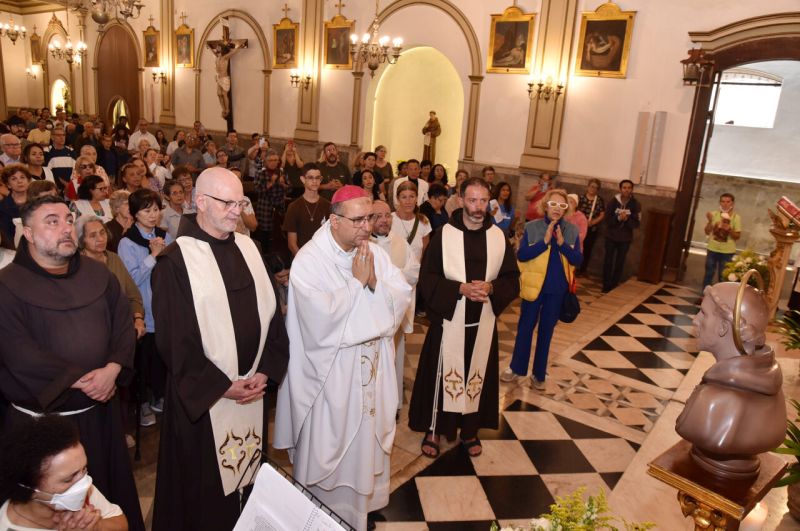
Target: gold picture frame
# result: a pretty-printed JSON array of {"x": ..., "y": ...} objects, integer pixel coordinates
[
  {"x": 36, "y": 49},
  {"x": 604, "y": 42},
  {"x": 337, "y": 43},
  {"x": 152, "y": 39},
  {"x": 184, "y": 46},
  {"x": 511, "y": 42},
  {"x": 285, "y": 37}
]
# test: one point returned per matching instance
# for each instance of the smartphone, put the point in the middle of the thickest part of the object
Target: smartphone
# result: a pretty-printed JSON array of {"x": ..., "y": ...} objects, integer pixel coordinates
[{"x": 262, "y": 142}]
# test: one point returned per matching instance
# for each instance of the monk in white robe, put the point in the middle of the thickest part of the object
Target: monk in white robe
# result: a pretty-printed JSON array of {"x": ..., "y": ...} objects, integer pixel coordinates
[
  {"x": 405, "y": 260},
  {"x": 336, "y": 407}
]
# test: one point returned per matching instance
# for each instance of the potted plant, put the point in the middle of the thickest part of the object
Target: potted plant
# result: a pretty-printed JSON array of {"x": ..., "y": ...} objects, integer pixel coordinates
[{"x": 789, "y": 328}]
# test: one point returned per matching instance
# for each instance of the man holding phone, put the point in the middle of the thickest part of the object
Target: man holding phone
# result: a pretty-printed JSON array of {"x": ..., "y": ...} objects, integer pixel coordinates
[
  {"x": 236, "y": 154},
  {"x": 723, "y": 229}
]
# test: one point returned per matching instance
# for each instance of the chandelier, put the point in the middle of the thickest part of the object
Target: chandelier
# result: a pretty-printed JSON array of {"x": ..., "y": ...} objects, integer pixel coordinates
[
  {"x": 101, "y": 10},
  {"x": 12, "y": 31},
  {"x": 372, "y": 50},
  {"x": 66, "y": 52}
]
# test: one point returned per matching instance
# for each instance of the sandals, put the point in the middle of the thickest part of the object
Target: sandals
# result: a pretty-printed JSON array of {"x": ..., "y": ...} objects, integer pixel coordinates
[
  {"x": 474, "y": 443},
  {"x": 433, "y": 445}
]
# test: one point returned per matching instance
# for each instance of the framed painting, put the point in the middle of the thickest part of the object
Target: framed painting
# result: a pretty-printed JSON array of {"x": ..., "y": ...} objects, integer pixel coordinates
[
  {"x": 184, "y": 46},
  {"x": 511, "y": 42},
  {"x": 337, "y": 43},
  {"x": 604, "y": 42},
  {"x": 151, "y": 40},
  {"x": 36, "y": 49},
  {"x": 285, "y": 37}
]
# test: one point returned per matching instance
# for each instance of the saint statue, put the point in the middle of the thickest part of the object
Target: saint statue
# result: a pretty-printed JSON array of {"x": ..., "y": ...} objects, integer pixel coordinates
[
  {"x": 431, "y": 130},
  {"x": 738, "y": 410},
  {"x": 223, "y": 50}
]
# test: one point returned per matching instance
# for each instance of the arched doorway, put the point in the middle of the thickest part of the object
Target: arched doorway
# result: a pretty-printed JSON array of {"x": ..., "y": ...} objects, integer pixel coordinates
[
  {"x": 399, "y": 113},
  {"x": 118, "y": 77},
  {"x": 734, "y": 45},
  {"x": 59, "y": 94}
]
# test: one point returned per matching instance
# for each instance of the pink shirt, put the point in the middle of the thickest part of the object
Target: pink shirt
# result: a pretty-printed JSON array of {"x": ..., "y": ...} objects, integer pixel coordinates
[{"x": 579, "y": 220}]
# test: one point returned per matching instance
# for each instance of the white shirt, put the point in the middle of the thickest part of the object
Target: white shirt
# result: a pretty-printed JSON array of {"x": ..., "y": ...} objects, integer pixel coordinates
[
  {"x": 402, "y": 228},
  {"x": 133, "y": 141},
  {"x": 96, "y": 498}
]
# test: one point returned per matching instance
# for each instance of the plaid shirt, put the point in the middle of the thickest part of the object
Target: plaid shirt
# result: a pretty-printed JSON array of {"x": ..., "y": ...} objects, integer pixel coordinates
[
  {"x": 268, "y": 200},
  {"x": 585, "y": 206}
]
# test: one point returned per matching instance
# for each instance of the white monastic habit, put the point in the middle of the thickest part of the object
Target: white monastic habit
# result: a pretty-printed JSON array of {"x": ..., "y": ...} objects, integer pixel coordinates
[
  {"x": 336, "y": 406},
  {"x": 403, "y": 258}
]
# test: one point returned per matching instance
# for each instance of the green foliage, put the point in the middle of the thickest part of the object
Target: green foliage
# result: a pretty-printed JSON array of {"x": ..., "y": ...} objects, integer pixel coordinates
[
  {"x": 742, "y": 263},
  {"x": 791, "y": 446},
  {"x": 789, "y": 328},
  {"x": 571, "y": 513}
]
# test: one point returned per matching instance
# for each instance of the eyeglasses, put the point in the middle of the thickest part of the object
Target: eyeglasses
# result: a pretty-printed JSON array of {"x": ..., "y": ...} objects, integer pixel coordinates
[
  {"x": 360, "y": 221},
  {"x": 556, "y": 204},
  {"x": 229, "y": 204},
  {"x": 86, "y": 166}
]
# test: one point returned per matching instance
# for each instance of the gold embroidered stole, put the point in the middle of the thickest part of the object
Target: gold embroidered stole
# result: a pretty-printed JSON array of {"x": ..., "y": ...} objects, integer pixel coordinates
[
  {"x": 237, "y": 428},
  {"x": 462, "y": 393}
]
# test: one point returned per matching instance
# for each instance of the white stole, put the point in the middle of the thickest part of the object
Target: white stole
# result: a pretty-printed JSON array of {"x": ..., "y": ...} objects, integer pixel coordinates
[
  {"x": 463, "y": 394},
  {"x": 237, "y": 427}
]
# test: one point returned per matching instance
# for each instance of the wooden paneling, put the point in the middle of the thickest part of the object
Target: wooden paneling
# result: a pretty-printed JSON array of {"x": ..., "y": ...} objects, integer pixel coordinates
[{"x": 117, "y": 74}]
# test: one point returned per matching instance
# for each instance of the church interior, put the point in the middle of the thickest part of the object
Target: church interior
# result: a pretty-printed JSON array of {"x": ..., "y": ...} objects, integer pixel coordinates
[{"x": 687, "y": 99}]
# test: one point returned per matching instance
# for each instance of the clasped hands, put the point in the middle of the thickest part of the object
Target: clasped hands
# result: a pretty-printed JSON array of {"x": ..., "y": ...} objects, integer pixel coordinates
[
  {"x": 99, "y": 384},
  {"x": 247, "y": 390},
  {"x": 364, "y": 266},
  {"x": 477, "y": 290},
  {"x": 86, "y": 519},
  {"x": 551, "y": 229}
]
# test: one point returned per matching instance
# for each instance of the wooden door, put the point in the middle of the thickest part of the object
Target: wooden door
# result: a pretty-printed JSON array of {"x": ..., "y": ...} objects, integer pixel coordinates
[{"x": 117, "y": 74}]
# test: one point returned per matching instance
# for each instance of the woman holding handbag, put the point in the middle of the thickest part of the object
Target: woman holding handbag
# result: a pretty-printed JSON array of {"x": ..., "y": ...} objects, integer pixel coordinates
[{"x": 548, "y": 254}]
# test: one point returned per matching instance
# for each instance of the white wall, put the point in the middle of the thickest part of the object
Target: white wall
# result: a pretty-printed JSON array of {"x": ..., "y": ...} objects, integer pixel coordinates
[
  {"x": 760, "y": 152},
  {"x": 400, "y": 113}
]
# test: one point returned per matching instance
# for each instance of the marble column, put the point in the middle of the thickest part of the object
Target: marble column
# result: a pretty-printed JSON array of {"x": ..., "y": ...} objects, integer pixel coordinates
[
  {"x": 358, "y": 78},
  {"x": 553, "y": 51},
  {"x": 167, "y": 116},
  {"x": 3, "y": 102},
  {"x": 313, "y": 22}
]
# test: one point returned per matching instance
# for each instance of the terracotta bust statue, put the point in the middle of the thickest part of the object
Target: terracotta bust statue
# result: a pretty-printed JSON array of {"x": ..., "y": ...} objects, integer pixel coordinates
[{"x": 738, "y": 410}]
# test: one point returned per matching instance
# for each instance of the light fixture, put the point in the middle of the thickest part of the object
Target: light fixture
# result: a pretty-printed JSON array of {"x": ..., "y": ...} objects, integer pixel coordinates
[
  {"x": 544, "y": 90},
  {"x": 372, "y": 50},
  {"x": 67, "y": 52},
  {"x": 697, "y": 68},
  {"x": 30, "y": 73},
  {"x": 298, "y": 78},
  {"x": 101, "y": 10},
  {"x": 159, "y": 76},
  {"x": 12, "y": 31}
]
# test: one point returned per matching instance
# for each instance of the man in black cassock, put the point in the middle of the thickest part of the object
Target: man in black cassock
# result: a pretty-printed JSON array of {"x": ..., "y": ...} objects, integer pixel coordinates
[
  {"x": 221, "y": 339},
  {"x": 469, "y": 276},
  {"x": 67, "y": 342}
]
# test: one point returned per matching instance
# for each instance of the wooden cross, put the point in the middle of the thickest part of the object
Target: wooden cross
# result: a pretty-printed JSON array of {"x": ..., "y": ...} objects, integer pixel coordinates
[
  {"x": 183, "y": 18},
  {"x": 340, "y": 5},
  {"x": 286, "y": 10},
  {"x": 151, "y": 20}
]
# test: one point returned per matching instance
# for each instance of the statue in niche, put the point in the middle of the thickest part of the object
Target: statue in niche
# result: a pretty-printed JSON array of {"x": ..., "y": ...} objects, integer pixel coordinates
[
  {"x": 738, "y": 410},
  {"x": 431, "y": 130},
  {"x": 223, "y": 50}
]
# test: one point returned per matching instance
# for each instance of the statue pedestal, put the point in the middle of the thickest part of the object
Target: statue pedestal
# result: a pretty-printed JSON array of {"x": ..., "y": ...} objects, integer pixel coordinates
[
  {"x": 778, "y": 259},
  {"x": 715, "y": 504}
]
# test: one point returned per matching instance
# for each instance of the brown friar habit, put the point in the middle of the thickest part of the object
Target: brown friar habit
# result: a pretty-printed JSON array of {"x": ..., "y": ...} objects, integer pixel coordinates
[
  {"x": 189, "y": 494},
  {"x": 441, "y": 296},
  {"x": 54, "y": 330}
]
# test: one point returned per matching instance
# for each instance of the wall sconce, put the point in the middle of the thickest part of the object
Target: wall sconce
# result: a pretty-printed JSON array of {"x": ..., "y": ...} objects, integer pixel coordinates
[
  {"x": 295, "y": 79},
  {"x": 159, "y": 76},
  {"x": 545, "y": 89},
  {"x": 30, "y": 73},
  {"x": 697, "y": 68}
]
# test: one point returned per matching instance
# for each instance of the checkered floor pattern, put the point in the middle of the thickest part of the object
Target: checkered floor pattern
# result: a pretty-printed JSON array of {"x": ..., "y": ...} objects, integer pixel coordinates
[{"x": 534, "y": 456}]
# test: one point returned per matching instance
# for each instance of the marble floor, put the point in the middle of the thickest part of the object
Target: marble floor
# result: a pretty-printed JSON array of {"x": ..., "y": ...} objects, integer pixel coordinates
[{"x": 616, "y": 381}]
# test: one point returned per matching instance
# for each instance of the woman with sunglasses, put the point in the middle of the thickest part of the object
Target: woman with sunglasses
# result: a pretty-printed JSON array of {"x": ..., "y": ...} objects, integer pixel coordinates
[
  {"x": 548, "y": 254},
  {"x": 84, "y": 167}
]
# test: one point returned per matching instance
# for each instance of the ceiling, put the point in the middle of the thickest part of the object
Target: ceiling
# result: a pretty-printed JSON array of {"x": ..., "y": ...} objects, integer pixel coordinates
[{"x": 24, "y": 7}]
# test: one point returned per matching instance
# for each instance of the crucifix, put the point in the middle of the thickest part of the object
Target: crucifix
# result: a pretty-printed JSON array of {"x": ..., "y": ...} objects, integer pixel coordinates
[
  {"x": 223, "y": 50},
  {"x": 339, "y": 6},
  {"x": 286, "y": 10}
]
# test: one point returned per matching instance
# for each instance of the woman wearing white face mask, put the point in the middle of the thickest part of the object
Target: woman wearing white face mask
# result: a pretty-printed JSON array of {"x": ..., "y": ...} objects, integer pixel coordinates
[{"x": 44, "y": 483}]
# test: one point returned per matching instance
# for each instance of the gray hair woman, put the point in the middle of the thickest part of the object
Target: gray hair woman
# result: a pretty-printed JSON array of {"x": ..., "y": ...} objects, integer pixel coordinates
[
  {"x": 93, "y": 241},
  {"x": 122, "y": 220}
]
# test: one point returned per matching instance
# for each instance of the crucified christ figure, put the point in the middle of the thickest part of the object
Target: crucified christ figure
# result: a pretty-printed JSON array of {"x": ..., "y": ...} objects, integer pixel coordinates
[{"x": 223, "y": 52}]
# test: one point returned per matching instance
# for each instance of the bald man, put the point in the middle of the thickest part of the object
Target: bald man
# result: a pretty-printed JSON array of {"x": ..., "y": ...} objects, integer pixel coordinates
[{"x": 222, "y": 340}]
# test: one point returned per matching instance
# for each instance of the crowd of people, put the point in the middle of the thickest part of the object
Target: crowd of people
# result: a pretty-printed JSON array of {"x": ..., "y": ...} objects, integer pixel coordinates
[{"x": 187, "y": 276}]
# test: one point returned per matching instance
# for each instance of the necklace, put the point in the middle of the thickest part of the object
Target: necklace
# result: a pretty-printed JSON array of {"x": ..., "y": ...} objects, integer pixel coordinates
[
  {"x": 310, "y": 214},
  {"x": 37, "y": 524}
]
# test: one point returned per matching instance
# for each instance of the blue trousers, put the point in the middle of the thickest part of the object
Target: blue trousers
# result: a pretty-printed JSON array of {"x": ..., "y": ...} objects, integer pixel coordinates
[
  {"x": 715, "y": 264},
  {"x": 545, "y": 309}
]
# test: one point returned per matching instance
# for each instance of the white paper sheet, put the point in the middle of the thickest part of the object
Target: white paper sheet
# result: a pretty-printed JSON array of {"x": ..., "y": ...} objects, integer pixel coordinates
[{"x": 276, "y": 505}]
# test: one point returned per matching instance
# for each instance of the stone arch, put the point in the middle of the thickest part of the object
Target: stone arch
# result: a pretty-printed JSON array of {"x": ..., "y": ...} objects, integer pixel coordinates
[
  {"x": 476, "y": 73},
  {"x": 55, "y": 28},
  {"x": 267, "y": 59},
  {"x": 762, "y": 38},
  {"x": 132, "y": 38}
]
